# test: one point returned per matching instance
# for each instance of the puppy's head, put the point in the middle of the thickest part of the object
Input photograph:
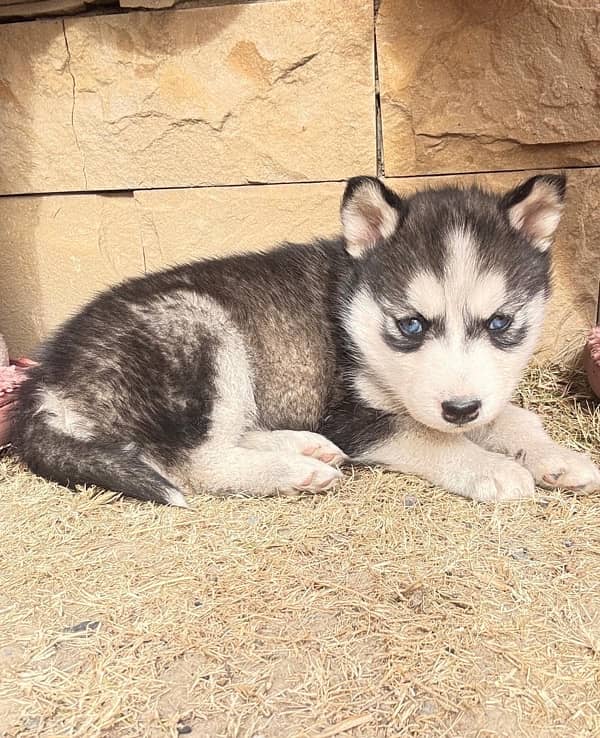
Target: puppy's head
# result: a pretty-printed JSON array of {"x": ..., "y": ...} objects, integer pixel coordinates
[{"x": 450, "y": 295}]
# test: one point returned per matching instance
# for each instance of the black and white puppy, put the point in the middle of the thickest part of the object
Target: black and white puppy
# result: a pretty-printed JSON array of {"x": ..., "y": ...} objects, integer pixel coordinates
[{"x": 399, "y": 343}]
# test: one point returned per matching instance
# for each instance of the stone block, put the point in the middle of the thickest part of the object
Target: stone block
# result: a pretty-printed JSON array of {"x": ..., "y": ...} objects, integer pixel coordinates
[
  {"x": 181, "y": 225},
  {"x": 475, "y": 86},
  {"x": 38, "y": 144},
  {"x": 259, "y": 92},
  {"x": 55, "y": 253}
]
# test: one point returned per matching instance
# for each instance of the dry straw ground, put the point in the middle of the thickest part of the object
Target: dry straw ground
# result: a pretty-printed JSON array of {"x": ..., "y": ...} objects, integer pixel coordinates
[{"x": 386, "y": 609}]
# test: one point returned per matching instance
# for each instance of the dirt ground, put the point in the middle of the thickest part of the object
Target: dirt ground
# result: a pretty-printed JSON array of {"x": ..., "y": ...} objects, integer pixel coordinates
[{"x": 388, "y": 608}]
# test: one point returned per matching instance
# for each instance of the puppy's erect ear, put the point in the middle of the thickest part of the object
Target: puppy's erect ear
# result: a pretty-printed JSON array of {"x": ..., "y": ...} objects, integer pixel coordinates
[
  {"x": 370, "y": 213},
  {"x": 535, "y": 206}
]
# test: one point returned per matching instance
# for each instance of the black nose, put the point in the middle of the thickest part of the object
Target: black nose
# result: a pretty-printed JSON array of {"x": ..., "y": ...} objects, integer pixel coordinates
[{"x": 460, "y": 410}]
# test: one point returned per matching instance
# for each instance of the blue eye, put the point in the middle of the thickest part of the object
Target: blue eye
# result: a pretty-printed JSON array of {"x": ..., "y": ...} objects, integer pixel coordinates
[
  {"x": 410, "y": 327},
  {"x": 498, "y": 323}
]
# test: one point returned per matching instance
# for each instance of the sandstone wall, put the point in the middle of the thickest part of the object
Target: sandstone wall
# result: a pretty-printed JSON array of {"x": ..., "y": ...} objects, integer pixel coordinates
[{"x": 131, "y": 141}]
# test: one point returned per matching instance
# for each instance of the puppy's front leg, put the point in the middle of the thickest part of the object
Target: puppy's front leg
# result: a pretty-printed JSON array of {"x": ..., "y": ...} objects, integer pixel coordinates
[
  {"x": 455, "y": 463},
  {"x": 520, "y": 434}
]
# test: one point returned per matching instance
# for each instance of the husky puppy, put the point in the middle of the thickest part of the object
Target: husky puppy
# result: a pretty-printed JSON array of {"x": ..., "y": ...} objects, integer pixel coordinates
[{"x": 399, "y": 343}]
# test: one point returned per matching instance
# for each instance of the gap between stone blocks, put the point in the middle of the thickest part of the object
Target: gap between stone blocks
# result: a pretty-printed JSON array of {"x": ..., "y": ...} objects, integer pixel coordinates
[{"x": 130, "y": 192}]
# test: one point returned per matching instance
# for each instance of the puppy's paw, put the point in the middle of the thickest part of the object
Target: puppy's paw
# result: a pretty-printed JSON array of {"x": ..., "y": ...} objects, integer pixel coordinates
[
  {"x": 500, "y": 479},
  {"x": 303, "y": 474},
  {"x": 319, "y": 447},
  {"x": 564, "y": 468},
  {"x": 305, "y": 443}
]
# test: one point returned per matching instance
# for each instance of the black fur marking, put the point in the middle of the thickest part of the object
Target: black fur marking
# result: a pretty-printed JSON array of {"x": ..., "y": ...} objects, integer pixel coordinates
[
  {"x": 505, "y": 340},
  {"x": 401, "y": 343},
  {"x": 397, "y": 341},
  {"x": 356, "y": 428},
  {"x": 510, "y": 339}
]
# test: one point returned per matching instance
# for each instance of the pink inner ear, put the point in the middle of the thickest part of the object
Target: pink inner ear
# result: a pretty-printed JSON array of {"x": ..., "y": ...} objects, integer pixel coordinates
[
  {"x": 363, "y": 224},
  {"x": 367, "y": 218},
  {"x": 365, "y": 235},
  {"x": 372, "y": 223},
  {"x": 537, "y": 215},
  {"x": 535, "y": 220}
]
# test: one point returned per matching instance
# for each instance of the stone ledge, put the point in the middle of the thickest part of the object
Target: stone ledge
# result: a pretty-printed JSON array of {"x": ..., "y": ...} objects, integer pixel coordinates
[{"x": 21, "y": 10}]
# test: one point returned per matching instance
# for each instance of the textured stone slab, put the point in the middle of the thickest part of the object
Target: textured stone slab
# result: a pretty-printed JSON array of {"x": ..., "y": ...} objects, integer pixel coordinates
[
  {"x": 38, "y": 145},
  {"x": 576, "y": 253},
  {"x": 476, "y": 86},
  {"x": 55, "y": 252},
  {"x": 180, "y": 225},
  {"x": 237, "y": 93},
  {"x": 271, "y": 92}
]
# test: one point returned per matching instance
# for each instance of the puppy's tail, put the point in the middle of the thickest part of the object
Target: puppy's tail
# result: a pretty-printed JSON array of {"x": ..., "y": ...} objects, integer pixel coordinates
[{"x": 70, "y": 460}]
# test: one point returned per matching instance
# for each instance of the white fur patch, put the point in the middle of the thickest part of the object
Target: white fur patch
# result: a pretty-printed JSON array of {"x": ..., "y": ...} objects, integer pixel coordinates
[
  {"x": 470, "y": 291},
  {"x": 426, "y": 295},
  {"x": 175, "y": 499},
  {"x": 219, "y": 463},
  {"x": 465, "y": 290},
  {"x": 364, "y": 322},
  {"x": 62, "y": 416},
  {"x": 373, "y": 394}
]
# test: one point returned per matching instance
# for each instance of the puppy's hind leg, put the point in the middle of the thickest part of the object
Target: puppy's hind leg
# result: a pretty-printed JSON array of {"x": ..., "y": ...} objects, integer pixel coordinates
[
  {"x": 238, "y": 470},
  {"x": 234, "y": 459}
]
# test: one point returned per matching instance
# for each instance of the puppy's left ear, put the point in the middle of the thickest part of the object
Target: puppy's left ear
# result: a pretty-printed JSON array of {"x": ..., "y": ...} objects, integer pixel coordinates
[
  {"x": 370, "y": 213},
  {"x": 535, "y": 206}
]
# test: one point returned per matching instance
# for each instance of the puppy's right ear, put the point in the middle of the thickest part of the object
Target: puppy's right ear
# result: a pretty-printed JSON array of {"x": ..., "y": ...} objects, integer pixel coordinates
[{"x": 370, "y": 213}]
